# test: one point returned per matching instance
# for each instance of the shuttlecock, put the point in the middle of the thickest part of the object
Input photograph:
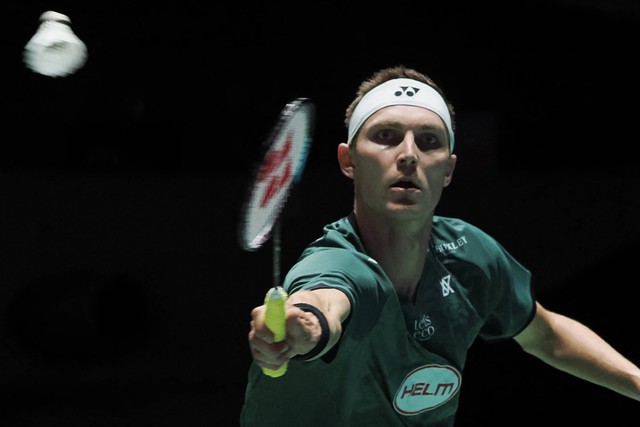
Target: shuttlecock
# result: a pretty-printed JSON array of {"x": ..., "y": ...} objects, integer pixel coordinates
[{"x": 55, "y": 50}]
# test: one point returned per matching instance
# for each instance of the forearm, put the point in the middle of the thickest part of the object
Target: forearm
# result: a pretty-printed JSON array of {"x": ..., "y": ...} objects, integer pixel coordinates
[
  {"x": 574, "y": 348},
  {"x": 305, "y": 328},
  {"x": 334, "y": 307}
]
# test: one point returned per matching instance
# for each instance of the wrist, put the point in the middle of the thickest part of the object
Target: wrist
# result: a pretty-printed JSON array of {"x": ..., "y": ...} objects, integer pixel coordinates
[{"x": 324, "y": 332}]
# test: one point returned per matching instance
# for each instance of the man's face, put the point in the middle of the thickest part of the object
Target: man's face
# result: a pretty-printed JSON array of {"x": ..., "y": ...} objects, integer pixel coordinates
[{"x": 400, "y": 162}]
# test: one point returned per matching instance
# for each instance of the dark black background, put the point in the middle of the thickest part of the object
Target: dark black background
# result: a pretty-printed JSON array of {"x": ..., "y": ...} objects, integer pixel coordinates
[{"x": 125, "y": 298}]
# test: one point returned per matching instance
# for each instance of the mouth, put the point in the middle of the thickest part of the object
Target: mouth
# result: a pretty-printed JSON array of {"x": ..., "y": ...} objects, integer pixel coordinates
[{"x": 404, "y": 185}]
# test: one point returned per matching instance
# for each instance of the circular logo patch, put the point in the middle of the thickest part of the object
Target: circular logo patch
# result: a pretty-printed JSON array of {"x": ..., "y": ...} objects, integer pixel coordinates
[{"x": 425, "y": 388}]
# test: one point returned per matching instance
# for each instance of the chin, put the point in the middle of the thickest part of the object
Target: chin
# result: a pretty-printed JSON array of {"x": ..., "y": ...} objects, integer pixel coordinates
[{"x": 407, "y": 210}]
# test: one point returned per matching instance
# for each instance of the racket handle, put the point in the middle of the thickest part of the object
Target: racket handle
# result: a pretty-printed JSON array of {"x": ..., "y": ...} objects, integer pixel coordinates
[{"x": 276, "y": 322}]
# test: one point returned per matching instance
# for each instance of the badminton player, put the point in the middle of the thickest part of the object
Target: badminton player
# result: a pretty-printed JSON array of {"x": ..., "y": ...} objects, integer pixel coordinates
[{"x": 384, "y": 305}]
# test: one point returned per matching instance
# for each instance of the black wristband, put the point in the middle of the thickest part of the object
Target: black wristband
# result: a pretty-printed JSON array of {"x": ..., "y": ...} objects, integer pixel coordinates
[{"x": 324, "y": 327}]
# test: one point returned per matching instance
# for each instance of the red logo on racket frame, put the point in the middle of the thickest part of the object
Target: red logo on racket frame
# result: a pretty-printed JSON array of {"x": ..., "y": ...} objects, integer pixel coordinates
[{"x": 273, "y": 162}]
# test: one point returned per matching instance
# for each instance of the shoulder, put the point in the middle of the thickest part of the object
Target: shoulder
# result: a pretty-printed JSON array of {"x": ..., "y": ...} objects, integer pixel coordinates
[
  {"x": 456, "y": 242},
  {"x": 451, "y": 234},
  {"x": 337, "y": 260}
]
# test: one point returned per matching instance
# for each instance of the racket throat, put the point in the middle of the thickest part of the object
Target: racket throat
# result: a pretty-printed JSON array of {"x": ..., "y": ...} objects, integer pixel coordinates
[{"x": 276, "y": 247}]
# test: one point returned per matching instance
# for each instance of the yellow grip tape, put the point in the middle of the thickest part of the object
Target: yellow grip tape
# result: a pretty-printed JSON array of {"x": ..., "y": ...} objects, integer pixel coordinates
[{"x": 276, "y": 322}]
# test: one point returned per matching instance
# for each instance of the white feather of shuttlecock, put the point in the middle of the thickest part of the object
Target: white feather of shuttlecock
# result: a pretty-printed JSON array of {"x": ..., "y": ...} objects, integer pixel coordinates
[{"x": 55, "y": 50}]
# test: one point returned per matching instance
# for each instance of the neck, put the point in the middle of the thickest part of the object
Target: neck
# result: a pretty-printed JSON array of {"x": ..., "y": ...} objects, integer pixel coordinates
[{"x": 401, "y": 249}]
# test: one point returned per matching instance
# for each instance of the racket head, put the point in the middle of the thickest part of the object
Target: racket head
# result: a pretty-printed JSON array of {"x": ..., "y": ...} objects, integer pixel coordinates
[{"x": 280, "y": 166}]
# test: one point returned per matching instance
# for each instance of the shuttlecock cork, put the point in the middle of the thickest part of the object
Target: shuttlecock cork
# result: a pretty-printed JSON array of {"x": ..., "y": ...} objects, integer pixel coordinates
[{"x": 55, "y": 50}]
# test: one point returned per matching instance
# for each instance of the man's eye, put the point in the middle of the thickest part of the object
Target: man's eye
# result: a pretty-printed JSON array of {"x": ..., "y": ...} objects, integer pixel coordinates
[
  {"x": 428, "y": 142},
  {"x": 388, "y": 137}
]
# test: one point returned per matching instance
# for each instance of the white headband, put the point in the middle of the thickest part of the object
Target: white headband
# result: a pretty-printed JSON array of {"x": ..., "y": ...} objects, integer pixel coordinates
[{"x": 400, "y": 92}]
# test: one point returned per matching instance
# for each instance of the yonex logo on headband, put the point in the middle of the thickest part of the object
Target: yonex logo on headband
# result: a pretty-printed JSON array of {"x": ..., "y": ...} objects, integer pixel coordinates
[
  {"x": 401, "y": 91},
  {"x": 404, "y": 91}
]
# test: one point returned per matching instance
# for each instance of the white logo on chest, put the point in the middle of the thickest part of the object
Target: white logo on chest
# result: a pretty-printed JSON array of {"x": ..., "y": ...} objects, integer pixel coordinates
[
  {"x": 423, "y": 329},
  {"x": 445, "y": 282},
  {"x": 425, "y": 388}
]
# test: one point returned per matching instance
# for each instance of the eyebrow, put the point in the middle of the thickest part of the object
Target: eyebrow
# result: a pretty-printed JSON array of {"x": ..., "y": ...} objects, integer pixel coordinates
[{"x": 398, "y": 124}]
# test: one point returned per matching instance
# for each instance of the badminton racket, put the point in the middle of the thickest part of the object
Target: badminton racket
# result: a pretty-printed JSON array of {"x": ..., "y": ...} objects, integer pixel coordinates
[{"x": 280, "y": 167}]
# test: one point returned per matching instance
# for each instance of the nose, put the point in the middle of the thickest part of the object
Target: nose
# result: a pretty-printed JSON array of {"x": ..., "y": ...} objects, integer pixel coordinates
[{"x": 408, "y": 156}]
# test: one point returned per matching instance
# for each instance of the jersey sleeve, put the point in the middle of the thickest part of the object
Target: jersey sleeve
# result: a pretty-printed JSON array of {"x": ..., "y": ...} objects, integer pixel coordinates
[
  {"x": 499, "y": 286},
  {"x": 355, "y": 274},
  {"x": 513, "y": 305}
]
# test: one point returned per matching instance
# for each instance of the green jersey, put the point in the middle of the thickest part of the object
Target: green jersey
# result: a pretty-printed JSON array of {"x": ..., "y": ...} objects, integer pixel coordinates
[{"x": 397, "y": 363}]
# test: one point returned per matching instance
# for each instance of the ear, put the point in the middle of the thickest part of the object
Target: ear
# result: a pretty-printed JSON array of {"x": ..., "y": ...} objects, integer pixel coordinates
[
  {"x": 450, "y": 168},
  {"x": 345, "y": 159}
]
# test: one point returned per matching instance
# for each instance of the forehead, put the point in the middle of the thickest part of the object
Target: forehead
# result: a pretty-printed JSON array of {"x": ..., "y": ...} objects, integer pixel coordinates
[{"x": 407, "y": 116}]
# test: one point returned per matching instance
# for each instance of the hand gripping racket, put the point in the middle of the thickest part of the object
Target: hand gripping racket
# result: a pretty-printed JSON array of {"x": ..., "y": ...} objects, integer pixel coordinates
[{"x": 281, "y": 166}]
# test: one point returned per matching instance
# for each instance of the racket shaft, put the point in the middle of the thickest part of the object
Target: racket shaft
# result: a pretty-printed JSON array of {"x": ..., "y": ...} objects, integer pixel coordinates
[{"x": 275, "y": 320}]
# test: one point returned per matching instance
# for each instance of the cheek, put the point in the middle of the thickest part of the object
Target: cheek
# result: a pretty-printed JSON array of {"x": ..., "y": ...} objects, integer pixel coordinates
[
  {"x": 437, "y": 172},
  {"x": 367, "y": 177},
  {"x": 365, "y": 166},
  {"x": 374, "y": 160}
]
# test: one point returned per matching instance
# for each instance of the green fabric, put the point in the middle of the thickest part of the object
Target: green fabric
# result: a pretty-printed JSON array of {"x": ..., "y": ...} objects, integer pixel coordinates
[{"x": 397, "y": 363}]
